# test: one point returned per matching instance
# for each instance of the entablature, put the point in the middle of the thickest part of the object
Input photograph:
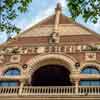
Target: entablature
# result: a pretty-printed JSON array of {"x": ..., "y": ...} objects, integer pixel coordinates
[{"x": 48, "y": 48}]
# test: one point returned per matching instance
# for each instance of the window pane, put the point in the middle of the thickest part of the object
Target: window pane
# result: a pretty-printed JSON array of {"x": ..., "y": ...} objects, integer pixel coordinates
[
  {"x": 90, "y": 70},
  {"x": 12, "y": 72},
  {"x": 9, "y": 83},
  {"x": 3, "y": 84},
  {"x": 90, "y": 82},
  {"x": 84, "y": 83},
  {"x": 13, "y": 83}
]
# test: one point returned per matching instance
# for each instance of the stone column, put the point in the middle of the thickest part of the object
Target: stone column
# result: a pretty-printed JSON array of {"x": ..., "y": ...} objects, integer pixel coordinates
[
  {"x": 76, "y": 86},
  {"x": 57, "y": 17},
  {"x": 21, "y": 86}
]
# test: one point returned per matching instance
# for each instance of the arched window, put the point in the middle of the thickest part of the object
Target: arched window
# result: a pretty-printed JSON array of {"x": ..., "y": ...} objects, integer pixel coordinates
[
  {"x": 9, "y": 83},
  {"x": 90, "y": 70},
  {"x": 90, "y": 82},
  {"x": 11, "y": 72}
]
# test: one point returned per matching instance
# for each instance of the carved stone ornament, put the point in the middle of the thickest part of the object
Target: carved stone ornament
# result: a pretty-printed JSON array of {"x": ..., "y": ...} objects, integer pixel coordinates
[
  {"x": 25, "y": 66},
  {"x": 40, "y": 49},
  {"x": 90, "y": 56},
  {"x": 15, "y": 58},
  {"x": 54, "y": 38},
  {"x": 2, "y": 58}
]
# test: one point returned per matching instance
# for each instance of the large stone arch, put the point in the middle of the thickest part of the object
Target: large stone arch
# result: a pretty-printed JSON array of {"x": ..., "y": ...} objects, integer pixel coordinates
[{"x": 40, "y": 60}]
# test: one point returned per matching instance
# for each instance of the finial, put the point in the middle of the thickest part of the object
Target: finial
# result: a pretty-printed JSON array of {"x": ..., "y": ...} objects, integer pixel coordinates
[
  {"x": 54, "y": 37},
  {"x": 58, "y": 7}
]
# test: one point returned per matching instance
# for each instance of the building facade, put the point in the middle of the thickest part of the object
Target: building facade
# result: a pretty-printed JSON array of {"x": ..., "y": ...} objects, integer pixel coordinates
[{"x": 54, "y": 59}]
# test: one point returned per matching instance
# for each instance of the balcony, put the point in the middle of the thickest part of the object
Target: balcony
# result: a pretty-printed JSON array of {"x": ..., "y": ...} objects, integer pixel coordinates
[{"x": 50, "y": 91}]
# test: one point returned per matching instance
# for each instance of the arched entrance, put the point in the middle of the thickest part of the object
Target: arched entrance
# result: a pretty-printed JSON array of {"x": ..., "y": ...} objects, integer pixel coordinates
[{"x": 51, "y": 75}]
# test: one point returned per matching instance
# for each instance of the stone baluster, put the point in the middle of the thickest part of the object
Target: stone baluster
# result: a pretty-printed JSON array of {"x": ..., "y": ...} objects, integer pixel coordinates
[
  {"x": 76, "y": 86},
  {"x": 21, "y": 87}
]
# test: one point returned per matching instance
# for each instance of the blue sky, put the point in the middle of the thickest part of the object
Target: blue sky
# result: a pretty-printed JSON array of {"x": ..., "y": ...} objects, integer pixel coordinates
[{"x": 40, "y": 9}]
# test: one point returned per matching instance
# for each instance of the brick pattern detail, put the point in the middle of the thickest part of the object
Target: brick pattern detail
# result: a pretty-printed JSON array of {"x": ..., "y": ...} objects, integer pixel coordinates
[{"x": 81, "y": 39}]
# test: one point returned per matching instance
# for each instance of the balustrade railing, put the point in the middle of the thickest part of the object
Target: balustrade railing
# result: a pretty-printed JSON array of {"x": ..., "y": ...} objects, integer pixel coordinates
[
  {"x": 48, "y": 90},
  {"x": 83, "y": 90},
  {"x": 9, "y": 91},
  {"x": 57, "y": 90}
]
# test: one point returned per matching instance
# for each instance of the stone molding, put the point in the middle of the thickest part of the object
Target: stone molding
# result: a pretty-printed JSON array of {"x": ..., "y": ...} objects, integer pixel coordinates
[
  {"x": 8, "y": 66},
  {"x": 86, "y": 64},
  {"x": 41, "y": 60}
]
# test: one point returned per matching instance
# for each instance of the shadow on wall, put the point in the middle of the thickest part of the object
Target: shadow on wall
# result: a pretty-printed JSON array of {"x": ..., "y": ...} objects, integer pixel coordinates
[{"x": 51, "y": 75}]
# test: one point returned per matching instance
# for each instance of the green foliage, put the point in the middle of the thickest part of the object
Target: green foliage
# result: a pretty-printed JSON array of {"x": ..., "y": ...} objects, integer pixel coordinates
[
  {"x": 9, "y": 10},
  {"x": 88, "y": 9}
]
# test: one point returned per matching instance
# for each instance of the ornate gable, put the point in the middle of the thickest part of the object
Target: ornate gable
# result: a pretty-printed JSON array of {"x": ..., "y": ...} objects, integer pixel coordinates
[{"x": 69, "y": 31}]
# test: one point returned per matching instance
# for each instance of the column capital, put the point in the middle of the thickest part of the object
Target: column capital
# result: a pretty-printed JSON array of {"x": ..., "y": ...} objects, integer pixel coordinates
[{"x": 75, "y": 77}]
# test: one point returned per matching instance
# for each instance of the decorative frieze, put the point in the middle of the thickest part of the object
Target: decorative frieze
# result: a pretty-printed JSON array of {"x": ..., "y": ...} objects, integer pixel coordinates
[
  {"x": 2, "y": 58},
  {"x": 40, "y": 50},
  {"x": 90, "y": 56},
  {"x": 45, "y": 49},
  {"x": 15, "y": 58},
  {"x": 54, "y": 38}
]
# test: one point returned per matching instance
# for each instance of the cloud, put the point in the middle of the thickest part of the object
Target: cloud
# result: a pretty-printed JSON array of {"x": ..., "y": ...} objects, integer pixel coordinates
[
  {"x": 97, "y": 26},
  {"x": 62, "y": 2},
  {"x": 42, "y": 15},
  {"x": 3, "y": 37},
  {"x": 37, "y": 13}
]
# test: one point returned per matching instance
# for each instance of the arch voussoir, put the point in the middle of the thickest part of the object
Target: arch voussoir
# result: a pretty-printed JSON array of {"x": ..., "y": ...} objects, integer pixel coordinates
[{"x": 37, "y": 62}]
